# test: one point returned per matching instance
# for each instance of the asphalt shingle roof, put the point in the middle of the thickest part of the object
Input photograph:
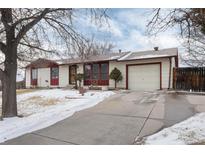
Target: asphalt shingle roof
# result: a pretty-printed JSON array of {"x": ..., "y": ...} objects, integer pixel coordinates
[
  {"x": 94, "y": 58},
  {"x": 122, "y": 56}
]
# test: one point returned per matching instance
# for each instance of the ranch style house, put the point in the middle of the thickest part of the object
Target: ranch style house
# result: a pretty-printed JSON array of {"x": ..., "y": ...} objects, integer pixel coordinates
[{"x": 143, "y": 70}]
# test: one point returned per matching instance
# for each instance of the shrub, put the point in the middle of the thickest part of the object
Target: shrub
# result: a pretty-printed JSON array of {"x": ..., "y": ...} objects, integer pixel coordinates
[
  {"x": 79, "y": 78},
  {"x": 116, "y": 75}
]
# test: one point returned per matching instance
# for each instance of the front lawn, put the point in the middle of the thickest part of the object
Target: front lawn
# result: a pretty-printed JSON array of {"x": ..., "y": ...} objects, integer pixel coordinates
[{"x": 42, "y": 108}]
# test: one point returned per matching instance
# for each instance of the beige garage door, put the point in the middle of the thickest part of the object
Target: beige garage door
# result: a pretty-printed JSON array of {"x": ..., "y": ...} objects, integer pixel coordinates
[{"x": 144, "y": 77}]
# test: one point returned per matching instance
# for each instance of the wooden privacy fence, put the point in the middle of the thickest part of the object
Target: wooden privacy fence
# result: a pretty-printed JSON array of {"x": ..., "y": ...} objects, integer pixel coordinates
[{"x": 189, "y": 79}]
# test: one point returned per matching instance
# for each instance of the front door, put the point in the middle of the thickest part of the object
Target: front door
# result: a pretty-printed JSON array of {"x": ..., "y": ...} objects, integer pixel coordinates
[
  {"x": 34, "y": 76},
  {"x": 72, "y": 74}
]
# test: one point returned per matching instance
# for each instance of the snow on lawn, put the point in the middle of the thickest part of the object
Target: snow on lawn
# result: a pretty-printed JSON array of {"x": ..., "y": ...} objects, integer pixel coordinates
[
  {"x": 43, "y": 108},
  {"x": 190, "y": 131}
]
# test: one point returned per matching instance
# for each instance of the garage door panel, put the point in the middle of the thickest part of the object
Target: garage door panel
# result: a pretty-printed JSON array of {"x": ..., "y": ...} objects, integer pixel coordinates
[{"x": 144, "y": 77}]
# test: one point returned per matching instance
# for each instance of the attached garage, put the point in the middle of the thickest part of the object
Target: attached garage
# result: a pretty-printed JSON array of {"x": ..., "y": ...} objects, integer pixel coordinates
[{"x": 144, "y": 76}]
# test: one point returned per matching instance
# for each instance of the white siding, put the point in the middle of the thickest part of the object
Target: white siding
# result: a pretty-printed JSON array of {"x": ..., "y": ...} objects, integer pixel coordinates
[
  {"x": 165, "y": 73},
  {"x": 122, "y": 67},
  {"x": 80, "y": 68},
  {"x": 28, "y": 77},
  {"x": 172, "y": 66},
  {"x": 43, "y": 77},
  {"x": 63, "y": 75}
]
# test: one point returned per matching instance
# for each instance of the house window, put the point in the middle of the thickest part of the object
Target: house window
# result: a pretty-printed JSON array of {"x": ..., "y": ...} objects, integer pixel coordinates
[
  {"x": 34, "y": 76},
  {"x": 87, "y": 71},
  {"x": 96, "y": 74},
  {"x": 54, "y": 75},
  {"x": 104, "y": 71}
]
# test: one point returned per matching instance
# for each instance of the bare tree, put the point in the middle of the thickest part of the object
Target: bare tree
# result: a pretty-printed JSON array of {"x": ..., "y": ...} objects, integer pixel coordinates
[
  {"x": 103, "y": 48},
  {"x": 191, "y": 25},
  {"x": 90, "y": 47},
  {"x": 27, "y": 33},
  {"x": 195, "y": 52}
]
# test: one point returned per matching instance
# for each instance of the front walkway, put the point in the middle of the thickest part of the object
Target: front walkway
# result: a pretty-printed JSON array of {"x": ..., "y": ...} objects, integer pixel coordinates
[{"x": 117, "y": 120}]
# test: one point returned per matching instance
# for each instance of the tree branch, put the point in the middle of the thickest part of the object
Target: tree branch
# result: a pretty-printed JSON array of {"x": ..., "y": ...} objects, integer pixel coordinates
[
  {"x": 2, "y": 47},
  {"x": 36, "y": 19},
  {"x": 27, "y": 27},
  {"x": 36, "y": 47},
  {"x": 25, "y": 19},
  {"x": 6, "y": 17}
]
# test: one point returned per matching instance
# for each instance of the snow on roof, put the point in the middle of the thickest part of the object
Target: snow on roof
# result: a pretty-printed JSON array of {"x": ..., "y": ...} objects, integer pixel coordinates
[
  {"x": 150, "y": 54},
  {"x": 124, "y": 57},
  {"x": 114, "y": 57}
]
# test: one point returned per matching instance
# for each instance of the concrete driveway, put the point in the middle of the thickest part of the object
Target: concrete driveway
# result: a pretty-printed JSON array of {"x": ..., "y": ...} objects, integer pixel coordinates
[{"x": 119, "y": 119}]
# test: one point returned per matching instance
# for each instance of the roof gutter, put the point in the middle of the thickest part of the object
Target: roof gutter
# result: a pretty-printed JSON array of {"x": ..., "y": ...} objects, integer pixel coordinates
[{"x": 146, "y": 58}]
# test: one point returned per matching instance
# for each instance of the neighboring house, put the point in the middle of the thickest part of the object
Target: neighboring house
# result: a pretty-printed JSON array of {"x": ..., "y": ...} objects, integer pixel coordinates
[{"x": 147, "y": 70}]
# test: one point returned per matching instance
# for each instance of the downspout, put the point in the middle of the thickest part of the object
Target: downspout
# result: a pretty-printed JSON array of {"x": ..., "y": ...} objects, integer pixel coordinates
[
  {"x": 31, "y": 77},
  {"x": 170, "y": 68},
  {"x": 176, "y": 58}
]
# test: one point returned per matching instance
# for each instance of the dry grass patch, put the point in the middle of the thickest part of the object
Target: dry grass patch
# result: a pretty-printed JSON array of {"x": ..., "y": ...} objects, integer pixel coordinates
[
  {"x": 51, "y": 102},
  {"x": 199, "y": 143},
  {"x": 23, "y": 91},
  {"x": 26, "y": 106},
  {"x": 42, "y": 101}
]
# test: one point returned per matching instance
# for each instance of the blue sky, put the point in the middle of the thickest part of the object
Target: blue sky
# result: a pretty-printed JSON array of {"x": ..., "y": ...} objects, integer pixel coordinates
[{"x": 127, "y": 30}]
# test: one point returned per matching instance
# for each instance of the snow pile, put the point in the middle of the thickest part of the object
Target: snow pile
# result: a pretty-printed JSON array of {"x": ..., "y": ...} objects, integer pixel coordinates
[
  {"x": 190, "y": 131},
  {"x": 38, "y": 116}
]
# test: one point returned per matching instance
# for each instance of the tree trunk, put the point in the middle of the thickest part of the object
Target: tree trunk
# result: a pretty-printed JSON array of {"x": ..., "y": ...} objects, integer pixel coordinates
[
  {"x": 9, "y": 105},
  {"x": 115, "y": 84}
]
